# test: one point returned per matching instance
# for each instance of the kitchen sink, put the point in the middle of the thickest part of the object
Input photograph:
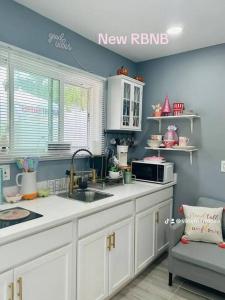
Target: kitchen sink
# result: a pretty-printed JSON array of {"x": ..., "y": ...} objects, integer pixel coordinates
[{"x": 87, "y": 195}]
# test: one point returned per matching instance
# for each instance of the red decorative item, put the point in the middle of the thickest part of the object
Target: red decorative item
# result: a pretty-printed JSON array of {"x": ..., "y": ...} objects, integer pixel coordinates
[
  {"x": 184, "y": 240},
  {"x": 178, "y": 108},
  {"x": 166, "y": 110},
  {"x": 181, "y": 210},
  {"x": 222, "y": 245},
  {"x": 122, "y": 71},
  {"x": 139, "y": 78}
]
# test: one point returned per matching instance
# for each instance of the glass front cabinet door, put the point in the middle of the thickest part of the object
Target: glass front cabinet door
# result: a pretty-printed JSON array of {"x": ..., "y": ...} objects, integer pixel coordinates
[{"x": 124, "y": 103}]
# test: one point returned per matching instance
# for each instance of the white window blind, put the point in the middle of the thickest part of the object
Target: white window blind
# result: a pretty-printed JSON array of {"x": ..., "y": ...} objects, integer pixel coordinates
[
  {"x": 4, "y": 107},
  {"x": 44, "y": 102}
]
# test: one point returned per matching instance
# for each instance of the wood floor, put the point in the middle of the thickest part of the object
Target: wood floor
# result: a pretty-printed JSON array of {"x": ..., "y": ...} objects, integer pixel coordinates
[{"x": 153, "y": 285}]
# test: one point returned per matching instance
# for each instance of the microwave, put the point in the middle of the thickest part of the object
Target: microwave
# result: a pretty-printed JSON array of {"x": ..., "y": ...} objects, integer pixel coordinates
[{"x": 153, "y": 172}]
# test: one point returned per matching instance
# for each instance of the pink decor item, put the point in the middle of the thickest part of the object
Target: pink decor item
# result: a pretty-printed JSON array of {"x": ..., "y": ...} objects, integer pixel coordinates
[
  {"x": 166, "y": 109},
  {"x": 171, "y": 137},
  {"x": 178, "y": 108}
]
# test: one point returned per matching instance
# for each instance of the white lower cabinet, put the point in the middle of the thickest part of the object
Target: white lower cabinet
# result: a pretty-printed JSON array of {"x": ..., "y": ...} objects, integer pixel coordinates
[
  {"x": 105, "y": 261},
  {"x": 6, "y": 286},
  {"x": 122, "y": 255},
  {"x": 92, "y": 267},
  {"x": 163, "y": 212},
  {"x": 144, "y": 239},
  {"x": 151, "y": 233},
  {"x": 47, "y": 278}
]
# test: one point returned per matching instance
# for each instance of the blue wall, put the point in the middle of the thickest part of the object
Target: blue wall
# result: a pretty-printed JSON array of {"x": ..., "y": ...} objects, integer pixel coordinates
[
  {"x": 196, "y": 78},
  {"x": 28, "y": 30}
]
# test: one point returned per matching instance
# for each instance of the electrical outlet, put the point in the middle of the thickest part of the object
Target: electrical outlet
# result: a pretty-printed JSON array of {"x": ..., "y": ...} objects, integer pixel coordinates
[
  {"x": 222, "y": 168},
  {"x": 6, "y": 172}
]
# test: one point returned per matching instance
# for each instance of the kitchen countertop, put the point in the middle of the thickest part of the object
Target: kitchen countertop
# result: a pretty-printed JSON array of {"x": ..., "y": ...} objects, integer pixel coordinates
[{"x": 57, "y": 210}]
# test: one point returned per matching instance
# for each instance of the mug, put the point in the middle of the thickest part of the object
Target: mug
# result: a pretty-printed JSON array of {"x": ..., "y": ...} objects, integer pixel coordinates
[
  {"x": 183, "y": 141},
  {"x": 129, "y": 177}
]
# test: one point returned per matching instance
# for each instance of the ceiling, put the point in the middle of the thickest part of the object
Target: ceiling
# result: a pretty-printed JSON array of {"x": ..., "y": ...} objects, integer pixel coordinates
[{"x": 203, "y": 22}]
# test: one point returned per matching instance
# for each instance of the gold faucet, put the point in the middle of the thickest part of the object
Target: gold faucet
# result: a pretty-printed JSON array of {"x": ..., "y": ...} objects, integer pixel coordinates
[{"x": 72, "y": 181}]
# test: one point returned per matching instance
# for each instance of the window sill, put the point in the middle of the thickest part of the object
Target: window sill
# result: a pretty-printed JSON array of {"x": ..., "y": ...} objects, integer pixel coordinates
[
  {"x": 11, "y": 160},
  {"x": 4, "y": 159}
]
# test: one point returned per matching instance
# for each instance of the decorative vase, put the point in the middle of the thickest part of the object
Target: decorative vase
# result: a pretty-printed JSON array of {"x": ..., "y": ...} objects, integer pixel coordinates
[
  {"x": 171, "y": 137},
  {"x": 166, "y": 110}
]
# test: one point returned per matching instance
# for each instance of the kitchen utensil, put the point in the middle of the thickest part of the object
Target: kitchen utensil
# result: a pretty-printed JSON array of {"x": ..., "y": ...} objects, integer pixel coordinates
[
  {"x": 28, "y": 184},
  {"x": 129, "y": 177}
]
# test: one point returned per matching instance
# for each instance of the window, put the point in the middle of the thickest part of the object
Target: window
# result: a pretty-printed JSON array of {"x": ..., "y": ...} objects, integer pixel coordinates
[{"x": 41, "y": 103}]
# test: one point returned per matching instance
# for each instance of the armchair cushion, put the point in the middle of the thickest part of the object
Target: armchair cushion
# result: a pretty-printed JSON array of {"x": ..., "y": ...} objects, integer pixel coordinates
[
  {"x": 208, "y": 202},
  {"x": 208, "y": 256}
]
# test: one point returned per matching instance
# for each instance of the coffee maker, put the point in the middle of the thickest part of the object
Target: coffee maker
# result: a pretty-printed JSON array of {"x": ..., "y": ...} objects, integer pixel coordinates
[{"x": 122, "y": 152}]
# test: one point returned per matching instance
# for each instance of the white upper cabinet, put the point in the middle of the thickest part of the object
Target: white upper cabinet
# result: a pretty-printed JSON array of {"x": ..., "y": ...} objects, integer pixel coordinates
[{"x": 124, "y": 103}]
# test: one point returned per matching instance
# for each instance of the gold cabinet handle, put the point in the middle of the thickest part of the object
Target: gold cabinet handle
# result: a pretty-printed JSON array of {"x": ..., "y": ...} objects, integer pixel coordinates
[
  {"x": 109, "y": 242},
  {"x": 11, "y": 291},
  {"x": 20, "y": 288},
  {"x": 157, "y": 217},
  {"x": 113, "y": 240}
]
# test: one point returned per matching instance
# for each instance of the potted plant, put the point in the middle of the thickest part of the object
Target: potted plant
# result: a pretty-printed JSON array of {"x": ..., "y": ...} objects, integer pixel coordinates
[
  {"x": 114, "y": 172},
  {"x": 157, "y": 110}
]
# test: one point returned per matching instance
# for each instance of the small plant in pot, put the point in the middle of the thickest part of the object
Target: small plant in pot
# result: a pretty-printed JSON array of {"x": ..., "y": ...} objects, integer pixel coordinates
[
  {"x": 114, "y": 172},
  {"x": 157, "y": 110}
]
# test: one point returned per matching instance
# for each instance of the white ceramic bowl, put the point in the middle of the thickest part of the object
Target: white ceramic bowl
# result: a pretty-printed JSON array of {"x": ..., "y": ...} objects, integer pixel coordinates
[
  {"x": 114, "y": 175},
  {"x": 154, "y": 143}
]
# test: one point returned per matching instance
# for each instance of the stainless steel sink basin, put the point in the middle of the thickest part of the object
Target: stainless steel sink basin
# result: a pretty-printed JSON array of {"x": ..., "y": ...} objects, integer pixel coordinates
[{"x": 87, "y": 195}]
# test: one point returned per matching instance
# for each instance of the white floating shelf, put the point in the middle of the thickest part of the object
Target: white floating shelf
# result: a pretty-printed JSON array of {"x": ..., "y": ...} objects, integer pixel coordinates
[
  {"x": 190, "y": 151},
  {"x": 187, "y": 117}
]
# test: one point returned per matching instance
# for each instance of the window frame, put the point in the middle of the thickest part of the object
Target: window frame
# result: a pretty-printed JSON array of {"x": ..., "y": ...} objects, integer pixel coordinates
[{"x": 58, "y": 71}]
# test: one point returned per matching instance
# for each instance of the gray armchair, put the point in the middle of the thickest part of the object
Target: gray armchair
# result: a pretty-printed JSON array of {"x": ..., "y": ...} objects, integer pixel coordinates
[{"x": 200, "y": 262}]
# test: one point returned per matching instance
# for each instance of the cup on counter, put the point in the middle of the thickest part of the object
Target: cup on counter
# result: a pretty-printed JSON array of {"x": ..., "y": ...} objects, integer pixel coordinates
[
  {"x": 183, "y": 141},
  {"x": 129, "y": 177}
]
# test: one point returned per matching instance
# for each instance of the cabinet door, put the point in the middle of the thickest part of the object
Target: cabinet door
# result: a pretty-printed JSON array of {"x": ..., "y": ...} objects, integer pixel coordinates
[
  {"x": 164, "y": 211},
  {"x": 137, "y": 107},
  {"x": 92, "y": 267},
  {"x": 121, "y": 255},
  {"x": 46, "y": 278},
  {"x": 6, "y": 286},
  {"x": 126, "y": 104},
  {"x": 145, "y": 239}
]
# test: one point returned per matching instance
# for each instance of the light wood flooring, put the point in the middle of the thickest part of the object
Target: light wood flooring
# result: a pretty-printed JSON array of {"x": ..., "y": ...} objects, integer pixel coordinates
[{"x": 152, "y": 284}]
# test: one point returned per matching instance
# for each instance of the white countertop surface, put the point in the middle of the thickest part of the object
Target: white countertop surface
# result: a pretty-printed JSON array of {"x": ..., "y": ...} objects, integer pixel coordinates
[{"x": 57, "y": 210}]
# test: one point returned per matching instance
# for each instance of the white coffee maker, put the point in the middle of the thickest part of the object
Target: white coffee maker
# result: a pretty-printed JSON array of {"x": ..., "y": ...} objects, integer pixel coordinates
[{"x": 122, "y": 152}]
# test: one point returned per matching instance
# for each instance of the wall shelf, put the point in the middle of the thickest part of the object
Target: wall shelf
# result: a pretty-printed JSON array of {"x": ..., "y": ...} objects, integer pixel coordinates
[
  {"x": 184, "y": 117},
  {"x": 190, "y": 151}
]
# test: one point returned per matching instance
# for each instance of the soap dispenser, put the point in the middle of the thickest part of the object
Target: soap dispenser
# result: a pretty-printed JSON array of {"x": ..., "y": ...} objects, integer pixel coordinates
[{"x": 1, "y": 187}]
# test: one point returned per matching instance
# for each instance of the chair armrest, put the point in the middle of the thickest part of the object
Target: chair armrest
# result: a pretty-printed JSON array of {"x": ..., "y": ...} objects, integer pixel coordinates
[{"x": 175, "y": 233}]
